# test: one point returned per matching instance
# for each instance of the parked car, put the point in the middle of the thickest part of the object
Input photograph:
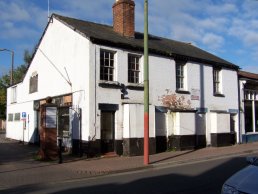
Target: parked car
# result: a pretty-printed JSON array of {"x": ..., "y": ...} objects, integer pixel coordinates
[{"x": 244, "y": 181}]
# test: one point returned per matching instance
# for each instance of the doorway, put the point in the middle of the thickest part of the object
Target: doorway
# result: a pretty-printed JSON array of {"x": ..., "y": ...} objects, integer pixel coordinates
[
  {"x": 64, "y": 131},
  {"x": 107, "y": 131}
]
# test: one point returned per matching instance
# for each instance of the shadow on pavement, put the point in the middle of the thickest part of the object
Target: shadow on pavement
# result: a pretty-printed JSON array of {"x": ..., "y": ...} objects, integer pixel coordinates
[
  {"x": 181, "y": 179},
  {"x": 174, "y": 156}
]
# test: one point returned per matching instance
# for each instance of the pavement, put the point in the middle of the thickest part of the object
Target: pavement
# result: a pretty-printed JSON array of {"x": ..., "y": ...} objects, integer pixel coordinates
[{"x": 19, "y": 167}]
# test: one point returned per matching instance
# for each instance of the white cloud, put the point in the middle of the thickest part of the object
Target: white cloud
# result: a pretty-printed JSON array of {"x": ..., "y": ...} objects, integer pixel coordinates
[
  {"x": 12, "y": 11},
  {"x": 221, "y": 8},
  {"x": 185, "y": 33},
  {"x": 245, "y": 31},
  {"x": 99, "y": 10},
  {"x": 213, "y": 41},
  {"x": 250, "y": 8},
  {"x": 20, "y": 19}
]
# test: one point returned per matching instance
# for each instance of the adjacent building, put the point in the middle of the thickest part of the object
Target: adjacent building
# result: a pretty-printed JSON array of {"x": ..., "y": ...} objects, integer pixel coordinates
[
  {"x": 248, "y": 88},
  {"x": 85, "y": 83}
]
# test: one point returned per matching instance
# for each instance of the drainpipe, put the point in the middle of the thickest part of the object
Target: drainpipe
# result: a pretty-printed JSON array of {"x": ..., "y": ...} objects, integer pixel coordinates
[
  {"x": 239, "y": 114},
  {"x": 95, "y": 104}
]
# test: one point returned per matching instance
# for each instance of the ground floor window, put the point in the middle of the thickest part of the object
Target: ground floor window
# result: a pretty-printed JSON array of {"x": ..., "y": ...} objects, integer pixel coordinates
[{"x": 251, "y": 115}]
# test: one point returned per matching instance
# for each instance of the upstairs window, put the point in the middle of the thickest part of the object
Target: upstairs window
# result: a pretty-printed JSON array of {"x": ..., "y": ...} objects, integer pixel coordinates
[
  {"x": 14, "y": 94},
  {"x": 133, "y": 68},
  {"x": 217, "y": 81},
  {"x": 180, "y": 75},
  {"x": 33, "y": 83},
  {"x": 106, "y": 65}
]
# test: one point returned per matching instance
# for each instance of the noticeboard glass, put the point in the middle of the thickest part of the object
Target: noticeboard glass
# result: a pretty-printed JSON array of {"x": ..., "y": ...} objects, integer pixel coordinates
[{"x": 51, "y": 117}]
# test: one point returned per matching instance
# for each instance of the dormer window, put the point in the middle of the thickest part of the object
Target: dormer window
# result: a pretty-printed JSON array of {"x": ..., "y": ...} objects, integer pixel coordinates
[{"x": 34, "y": 82}]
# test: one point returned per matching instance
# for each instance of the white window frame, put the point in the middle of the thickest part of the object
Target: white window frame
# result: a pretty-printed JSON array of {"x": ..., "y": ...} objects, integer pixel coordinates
[
  {"x": 181, "y": 78},
  {"x": 135, "y": 70},
  {"x": 217, "y": 81},
  {"x": 109, "y": 66}
]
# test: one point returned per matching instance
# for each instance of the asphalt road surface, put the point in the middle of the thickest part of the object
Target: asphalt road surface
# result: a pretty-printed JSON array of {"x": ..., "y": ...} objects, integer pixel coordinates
[{"x": 200, "y": 177}]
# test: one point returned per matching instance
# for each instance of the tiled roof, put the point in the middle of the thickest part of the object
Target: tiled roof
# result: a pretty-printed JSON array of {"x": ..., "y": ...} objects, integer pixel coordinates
[
  {"x": 248, "y": 75},
  {"x": 104, "y": 35}
]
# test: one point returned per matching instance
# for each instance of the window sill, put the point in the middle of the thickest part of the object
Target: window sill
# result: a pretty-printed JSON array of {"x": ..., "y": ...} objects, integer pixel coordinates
[
  {"x": 132, "y": 86},
  {"x": 218, "y": 95},
  {"x": 109, "y": 84},
  {"x": 33, "y": 92},
  {"x": 180, "y": 91}
]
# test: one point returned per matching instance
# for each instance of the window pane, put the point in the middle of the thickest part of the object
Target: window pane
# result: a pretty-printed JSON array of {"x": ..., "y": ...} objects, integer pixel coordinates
[
  {"x": 33, "y": 84},
  {"x": 17, "y": 116},
  {"x": 216, "y": 81},
  {"x": 106, "y": 65},
  {"x": 179, "y": 75},
  {"x": 178, "y": 82},
  {"x": 248, "y": 117},
  {"x": 10, "y": 117},
  {"x": 133, "y": 68}
]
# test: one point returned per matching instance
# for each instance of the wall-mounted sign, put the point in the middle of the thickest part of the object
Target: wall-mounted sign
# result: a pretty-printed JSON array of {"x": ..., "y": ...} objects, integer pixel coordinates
[
  {"x": 23, "y": 117},
  {"x": 195, "y": 94},
  {"x": 51, "y": 117}
]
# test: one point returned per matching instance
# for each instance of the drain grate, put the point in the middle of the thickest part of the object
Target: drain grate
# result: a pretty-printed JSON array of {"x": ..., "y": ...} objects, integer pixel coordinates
[{"x": 91, "y": 173}]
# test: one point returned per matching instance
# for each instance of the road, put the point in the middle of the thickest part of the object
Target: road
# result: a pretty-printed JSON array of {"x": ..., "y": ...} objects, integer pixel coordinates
[{"x": 198, "y": 177}]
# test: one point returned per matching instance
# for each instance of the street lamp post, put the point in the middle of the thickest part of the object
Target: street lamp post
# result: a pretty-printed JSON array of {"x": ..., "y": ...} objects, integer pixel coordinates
[{"x": 12, "y": 60}]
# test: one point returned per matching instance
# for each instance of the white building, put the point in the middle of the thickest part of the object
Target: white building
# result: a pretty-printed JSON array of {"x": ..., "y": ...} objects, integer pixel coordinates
[
  {"x": 248, "y": 91},
  {"x": 98, "y": 70}
]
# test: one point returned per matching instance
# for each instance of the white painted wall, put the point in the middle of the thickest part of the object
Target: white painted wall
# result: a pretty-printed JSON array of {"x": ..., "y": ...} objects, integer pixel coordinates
[
  {"x": 220, "y": 122},
  {"x": 134, "y": 121},
  {"x": 15, "y": 129}
]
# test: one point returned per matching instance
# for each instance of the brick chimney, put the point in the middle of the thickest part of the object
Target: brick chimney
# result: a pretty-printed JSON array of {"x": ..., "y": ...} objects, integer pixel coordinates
[{"x": 123, "y": 17}]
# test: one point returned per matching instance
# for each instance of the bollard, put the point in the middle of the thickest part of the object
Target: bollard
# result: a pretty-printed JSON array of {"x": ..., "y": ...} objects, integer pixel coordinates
[{"x": 60, "y": 142}]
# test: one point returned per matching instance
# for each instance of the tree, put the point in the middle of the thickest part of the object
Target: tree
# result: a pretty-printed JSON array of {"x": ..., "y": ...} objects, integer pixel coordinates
[
  {"x": 27, "y": 56},
  {"x": 4, "y": 82}
]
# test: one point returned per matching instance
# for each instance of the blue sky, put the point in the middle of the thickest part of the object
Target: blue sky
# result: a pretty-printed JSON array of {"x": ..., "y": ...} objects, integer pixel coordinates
[{"x": 226, "y": 28}]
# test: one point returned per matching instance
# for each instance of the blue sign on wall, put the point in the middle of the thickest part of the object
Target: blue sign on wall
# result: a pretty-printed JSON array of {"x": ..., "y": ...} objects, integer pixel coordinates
[{"x": 24, "y": 115}]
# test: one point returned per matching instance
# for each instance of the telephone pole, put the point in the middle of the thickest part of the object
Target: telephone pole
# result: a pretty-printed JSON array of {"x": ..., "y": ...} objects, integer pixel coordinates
[{"x": 146, "y": 85}]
